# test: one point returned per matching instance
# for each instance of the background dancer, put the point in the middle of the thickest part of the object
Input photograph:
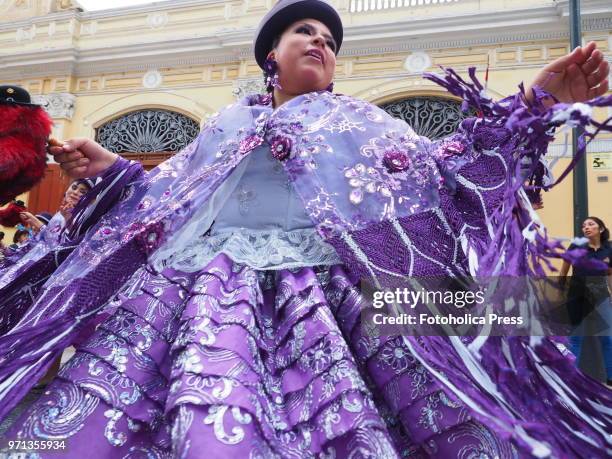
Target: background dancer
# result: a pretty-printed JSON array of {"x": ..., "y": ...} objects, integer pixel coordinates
[{"x": 589, "y": 290}]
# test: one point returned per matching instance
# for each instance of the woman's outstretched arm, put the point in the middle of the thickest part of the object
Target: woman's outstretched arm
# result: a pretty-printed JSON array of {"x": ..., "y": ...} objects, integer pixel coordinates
[
  {"x": 578, "y": 76},
  {"x": 81, "y": 157}
]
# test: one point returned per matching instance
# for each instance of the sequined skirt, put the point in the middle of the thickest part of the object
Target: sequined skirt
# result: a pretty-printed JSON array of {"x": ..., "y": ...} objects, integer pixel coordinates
[{"x": 235, "y": 362}]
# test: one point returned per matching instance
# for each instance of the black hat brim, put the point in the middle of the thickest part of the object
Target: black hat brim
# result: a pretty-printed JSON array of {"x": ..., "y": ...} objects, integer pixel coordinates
[
  {"x": 276, "y": 22},
  {"x": 25, "y": 104}
]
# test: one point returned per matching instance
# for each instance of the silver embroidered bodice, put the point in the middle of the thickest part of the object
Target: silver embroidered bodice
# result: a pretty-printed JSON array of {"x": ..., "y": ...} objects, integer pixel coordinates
[{"x": 259, "y": 220}]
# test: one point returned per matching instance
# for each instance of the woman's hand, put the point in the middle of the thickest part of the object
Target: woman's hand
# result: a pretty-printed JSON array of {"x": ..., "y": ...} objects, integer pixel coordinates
[
  {"x": 578, "y": 76},
  {"x": 30, "y": 220},
  {"x": 66, "y": 209},
  {"x": 81, "y": 158},
  {"x": 67, "y": 205}
]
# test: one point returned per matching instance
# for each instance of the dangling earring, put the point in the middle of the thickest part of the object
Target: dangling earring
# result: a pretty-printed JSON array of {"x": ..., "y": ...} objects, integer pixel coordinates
[
  {"x": 330, "y": 88},
  {"x": 271, "y": 72}
]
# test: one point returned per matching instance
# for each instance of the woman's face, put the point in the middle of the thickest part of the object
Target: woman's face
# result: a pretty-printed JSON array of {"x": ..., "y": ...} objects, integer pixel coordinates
[
  {"x": 306, "y": 58},
  {"x": 23, "y": 238},
  {"x": 590, "y": 228},
  {"x": 75, "y": 191}
]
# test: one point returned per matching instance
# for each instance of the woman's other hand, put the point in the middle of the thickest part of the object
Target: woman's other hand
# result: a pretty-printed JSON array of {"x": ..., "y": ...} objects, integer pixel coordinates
[
  {"x": 578, "y": 76},
  {"x": 66, "y": 209},
  {"x": 30, "y": 220},
  {"x": 81, "y": 157}
]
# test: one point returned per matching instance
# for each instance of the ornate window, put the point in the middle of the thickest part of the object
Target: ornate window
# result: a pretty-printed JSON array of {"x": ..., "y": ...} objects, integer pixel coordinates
[
  {"x": 431, "y": 117},
  {"x": 148, "y": 131}
]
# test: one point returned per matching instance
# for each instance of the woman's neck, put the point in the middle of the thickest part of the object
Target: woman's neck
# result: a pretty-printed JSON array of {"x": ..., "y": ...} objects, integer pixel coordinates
[
  {"x": 595, "y": 242},
  {"x": 280, "y": 97}
]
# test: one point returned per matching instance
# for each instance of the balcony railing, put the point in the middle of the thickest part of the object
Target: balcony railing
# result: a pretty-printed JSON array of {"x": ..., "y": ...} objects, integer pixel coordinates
[{"x": 358, "y": 6}]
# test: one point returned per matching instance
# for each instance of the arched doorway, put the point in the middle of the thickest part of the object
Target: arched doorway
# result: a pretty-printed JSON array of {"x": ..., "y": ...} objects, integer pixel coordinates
[
  {"x": 429, "y": 116},
  {"x": 150, "y": 136}
]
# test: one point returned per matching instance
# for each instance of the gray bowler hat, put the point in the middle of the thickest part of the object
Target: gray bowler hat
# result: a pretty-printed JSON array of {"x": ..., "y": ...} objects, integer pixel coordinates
[{"x": 286, "y": 12}]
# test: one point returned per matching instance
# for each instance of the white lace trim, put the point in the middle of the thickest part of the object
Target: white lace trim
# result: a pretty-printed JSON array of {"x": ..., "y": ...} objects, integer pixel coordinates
[{"x": 263, "y": 249}]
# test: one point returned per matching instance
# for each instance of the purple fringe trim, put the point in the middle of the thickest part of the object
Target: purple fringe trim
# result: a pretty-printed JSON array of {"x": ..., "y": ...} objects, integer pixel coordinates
[
  {"x": 537, "y": 392},
  {"x": 530, "y": 128}
]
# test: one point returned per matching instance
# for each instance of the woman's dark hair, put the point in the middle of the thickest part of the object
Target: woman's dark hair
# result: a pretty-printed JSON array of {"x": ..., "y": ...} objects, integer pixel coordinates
[
  {"x": 89, "y": 183},
  {"x": 605, "y": 234},
  {"x": 18, "y": 234},
  {"x": 1, "y": 235}
]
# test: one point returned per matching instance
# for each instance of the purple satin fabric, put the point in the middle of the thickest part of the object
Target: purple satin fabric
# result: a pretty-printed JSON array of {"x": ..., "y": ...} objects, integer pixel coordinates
[{"x": 242, "y": 363}]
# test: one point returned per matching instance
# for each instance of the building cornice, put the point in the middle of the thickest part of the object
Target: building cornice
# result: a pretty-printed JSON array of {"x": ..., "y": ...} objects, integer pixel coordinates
[
  {"x": 51, "y": 62},
  {"x": 26, "y": 23},
  {"x": 168, "y": 5},
  {"x": 460, "y": 31}
]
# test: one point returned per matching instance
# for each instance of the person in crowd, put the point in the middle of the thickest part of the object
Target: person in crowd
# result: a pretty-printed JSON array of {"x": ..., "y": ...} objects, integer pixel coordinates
[
  {"x": 50, "y": 226},
  {"x": 44, "y": 240},
  {"x": 21, "y": 237},
  {"x": 590, "y": 289},
  {"x": 44, "y": 226}
]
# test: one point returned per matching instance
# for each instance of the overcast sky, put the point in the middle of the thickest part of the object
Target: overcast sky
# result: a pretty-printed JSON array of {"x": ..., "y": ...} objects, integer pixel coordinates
[{"x": 93, "y": 5}]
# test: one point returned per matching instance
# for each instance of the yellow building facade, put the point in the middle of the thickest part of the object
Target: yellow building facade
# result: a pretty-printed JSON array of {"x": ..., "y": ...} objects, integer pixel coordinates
[{"x": 193, "y": 57}]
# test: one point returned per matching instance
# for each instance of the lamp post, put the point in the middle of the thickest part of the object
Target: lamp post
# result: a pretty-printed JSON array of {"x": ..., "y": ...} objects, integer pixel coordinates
[
  {"x": 581, "y": 200},
  {"x": 592, "y": 364}
]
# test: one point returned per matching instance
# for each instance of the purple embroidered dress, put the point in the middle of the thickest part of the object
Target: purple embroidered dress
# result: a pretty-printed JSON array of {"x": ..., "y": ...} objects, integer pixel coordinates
[{"x": 231, "y": 276}]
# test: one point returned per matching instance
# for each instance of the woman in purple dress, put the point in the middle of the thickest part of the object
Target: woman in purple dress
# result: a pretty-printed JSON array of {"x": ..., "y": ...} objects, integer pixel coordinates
[{"x": 231, "y": 275}]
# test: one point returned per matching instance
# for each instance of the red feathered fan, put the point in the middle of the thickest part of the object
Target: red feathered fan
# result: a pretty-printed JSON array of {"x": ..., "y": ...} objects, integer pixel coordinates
[
  {"x": 24, "y": 130},
  {"x": 9, "y": 216}
]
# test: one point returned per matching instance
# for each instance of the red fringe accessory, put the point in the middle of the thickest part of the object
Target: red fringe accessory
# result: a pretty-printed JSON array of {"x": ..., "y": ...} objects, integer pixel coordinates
[
  {"x": 24, "y": 131},
  {"x": 9, "y": 216}
]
